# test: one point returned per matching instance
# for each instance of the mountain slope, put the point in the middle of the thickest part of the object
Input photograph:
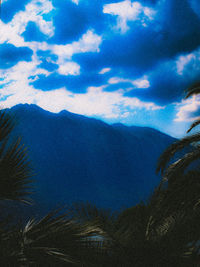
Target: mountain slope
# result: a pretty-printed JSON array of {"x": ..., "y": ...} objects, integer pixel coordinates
[{"x": 81, "y": 159}]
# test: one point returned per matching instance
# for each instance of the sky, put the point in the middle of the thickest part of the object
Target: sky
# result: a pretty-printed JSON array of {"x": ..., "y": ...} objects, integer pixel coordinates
[{"x": 119, "y": 61}]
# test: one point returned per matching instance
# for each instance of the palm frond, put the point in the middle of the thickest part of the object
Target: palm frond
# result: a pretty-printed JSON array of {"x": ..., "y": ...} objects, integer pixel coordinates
[
  {"x": 181, "y": 164},
  {"x": 15, "y": 168},
  {"x": 194, "y": 124},
  {"x": 15, "y": 171},
  {"x": 6, "y": 125},
  {"x": 58, "y": 240},
  {"x": 87, "y": 212},
  {"x": 172, "y": 149},
  {"x": 193, "y": 90}
]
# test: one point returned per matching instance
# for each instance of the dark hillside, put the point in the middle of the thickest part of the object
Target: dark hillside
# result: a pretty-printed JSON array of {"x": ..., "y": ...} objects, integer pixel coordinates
[{"x": 82, "y": 159}]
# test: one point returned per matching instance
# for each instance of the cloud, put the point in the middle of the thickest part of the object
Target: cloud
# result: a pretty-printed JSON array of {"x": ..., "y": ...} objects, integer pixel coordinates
[
  {"x": 89, "y": 42},
  {"x": 189, "y": 70},
  {"x": 142, "y": 83},
  {"x": 47, "y": 60},
  {"x": 133, "y": 55},
  {"x": 188, "y": 66},
  {"x": 175, "y": 30},
  {"x": 69, "y": 68},
  {"x": 62, "y": 54},
  {"x": 58, "y": 57},
  {"x": 127, "y": 11},
  {"x": 183, "y": 61},
  {"x": 80, "y": 81},
  {"x": 138, "y": 83},
  {"x": 104, "y": 70},
  {"x": 75, "y": 1},
  {"x": 33, "y": 12},
  {"x": 95, "y": 102},
  {"x": 188, "y": 110}
]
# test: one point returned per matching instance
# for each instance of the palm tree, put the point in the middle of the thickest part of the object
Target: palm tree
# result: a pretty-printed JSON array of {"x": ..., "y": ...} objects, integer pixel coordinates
[
  {"x": 15, "y": 169},
  {"x": 190, "y": 145},
  {"x": 145, "y": 235},
  {"x": 15, "y": 174},
  {"x": 165, "y": 231},
  {"x": 179, "y": 166},
  {"x": 55, "y": 240}
]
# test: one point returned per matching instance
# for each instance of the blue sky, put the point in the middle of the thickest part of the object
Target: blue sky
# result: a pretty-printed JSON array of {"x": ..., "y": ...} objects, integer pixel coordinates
[{"x": 120, "y": 61}]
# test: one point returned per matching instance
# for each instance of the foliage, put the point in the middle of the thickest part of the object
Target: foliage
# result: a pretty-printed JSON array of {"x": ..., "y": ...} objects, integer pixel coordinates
[
  {"x": 55, "y": 240},
  {"x": 165, "y": 231},
  {"x": 15, "y": 169},
  {"x": 189, "y": 145},
  {"x": 162, "y": 232}
]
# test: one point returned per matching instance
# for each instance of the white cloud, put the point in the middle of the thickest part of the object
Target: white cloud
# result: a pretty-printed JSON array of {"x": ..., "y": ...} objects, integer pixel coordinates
[
  {"x": 128, "y": 11},
  {"x": 142, "y": 83},
  {"x": 34, "y": 11},
  {"x": 75, "y": 1},
  {"x": 186, "y": 108},
  {"x": 115, "y": 80},
  {"x": 183, "y": 61},
  {"x": 105, "y": 70},
  {"x": 69, "y": 68},
  {"x": 138, "y": 83},
  {"x": 15, "y": 81},
  {"x": 188, "y": 65},
  {"x": 96, "y": 102},
  {"x": 89, "y": 42}
]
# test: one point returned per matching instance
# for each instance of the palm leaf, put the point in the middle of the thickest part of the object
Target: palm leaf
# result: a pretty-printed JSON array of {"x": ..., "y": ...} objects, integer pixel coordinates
[
  {"x": 58, "y": 240},
  {"x": 172, "y": 149},
  {"x": 193, "y": 90},
  {"x": 194, "y": 124},
  {"x": 15, "y": 169},
  {"x": 87, "y": 212},
  {"x": 181, "y": 164},
  {"x": 6, "y": 125}
]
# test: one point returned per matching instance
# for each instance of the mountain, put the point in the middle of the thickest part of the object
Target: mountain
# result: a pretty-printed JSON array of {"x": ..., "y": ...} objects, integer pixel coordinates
[{"x": 76, "y": 158}]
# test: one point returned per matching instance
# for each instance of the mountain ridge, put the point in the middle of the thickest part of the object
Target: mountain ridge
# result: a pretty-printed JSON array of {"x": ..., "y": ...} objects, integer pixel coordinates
[
  {"x": 66, "y": 112},
  {"x": 84, "y": 159}
]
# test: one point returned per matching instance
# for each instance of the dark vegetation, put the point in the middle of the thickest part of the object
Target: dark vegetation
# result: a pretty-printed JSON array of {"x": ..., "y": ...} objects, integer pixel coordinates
[{"x": 164, "y": 231}]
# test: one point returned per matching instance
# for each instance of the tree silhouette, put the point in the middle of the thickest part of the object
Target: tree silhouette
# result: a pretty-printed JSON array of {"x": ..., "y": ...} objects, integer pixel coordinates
[
  {"x": 15, "y": 169},
  {"x": 165, "y": 231},
  {"x": 162, "y": 232},
  {"x": 55, "y": 240},
  {"x": 157, "y": 233},
  {"x": 189, "y": 143},
  {"x": 179, "y": 166}
]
